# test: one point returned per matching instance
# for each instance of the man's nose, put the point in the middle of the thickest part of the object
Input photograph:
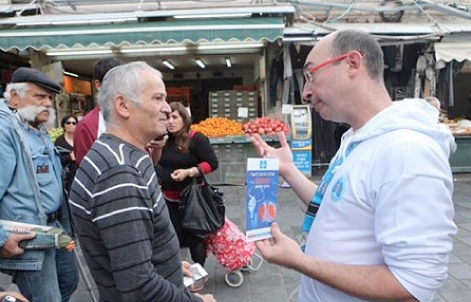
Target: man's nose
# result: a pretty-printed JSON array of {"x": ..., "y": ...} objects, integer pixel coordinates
[
  {"x": 166, "y": 108},
  {"x": 48, "y": 101},
  {"x": 307, "y": 94}
]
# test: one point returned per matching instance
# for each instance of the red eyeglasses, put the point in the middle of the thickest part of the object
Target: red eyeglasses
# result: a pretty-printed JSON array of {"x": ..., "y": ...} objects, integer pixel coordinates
[{"x": 309, "y": 74}]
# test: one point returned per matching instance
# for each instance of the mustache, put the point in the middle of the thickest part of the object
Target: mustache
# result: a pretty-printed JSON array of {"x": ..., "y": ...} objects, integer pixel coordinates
[{"x": 30, "y": 112}]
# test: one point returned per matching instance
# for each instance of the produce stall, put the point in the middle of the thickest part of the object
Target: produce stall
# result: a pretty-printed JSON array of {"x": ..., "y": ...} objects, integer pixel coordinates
[
  {"x": 460, "y": 161},
  {"x": 232, "y": 152},
  {"x": 232, "y": 146}
]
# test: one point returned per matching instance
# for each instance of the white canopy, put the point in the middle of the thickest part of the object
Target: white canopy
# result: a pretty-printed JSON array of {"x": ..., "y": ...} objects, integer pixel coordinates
[{"x": 448, "y": 51}]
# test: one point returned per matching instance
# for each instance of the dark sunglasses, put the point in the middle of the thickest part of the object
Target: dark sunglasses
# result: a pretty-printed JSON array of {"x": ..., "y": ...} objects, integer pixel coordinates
[{"x": 71, "y": 123}]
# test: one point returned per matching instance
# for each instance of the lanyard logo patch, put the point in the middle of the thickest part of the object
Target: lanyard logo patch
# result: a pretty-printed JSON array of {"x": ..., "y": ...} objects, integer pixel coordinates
[{"x": 338, "y": 189}]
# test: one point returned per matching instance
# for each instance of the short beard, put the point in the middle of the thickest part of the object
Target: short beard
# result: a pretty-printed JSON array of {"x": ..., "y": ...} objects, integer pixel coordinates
[{"x": 30, "y": 112}]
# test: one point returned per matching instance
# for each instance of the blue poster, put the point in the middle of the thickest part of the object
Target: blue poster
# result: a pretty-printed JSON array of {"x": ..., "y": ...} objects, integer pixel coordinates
[
  {"x": 261, "y": 196},
  {"x": 302, "y": 155}
]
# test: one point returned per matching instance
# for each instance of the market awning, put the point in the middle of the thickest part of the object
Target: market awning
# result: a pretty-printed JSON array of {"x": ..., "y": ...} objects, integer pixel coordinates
[
  {"x": 386, "y": 33},
  {"x": 149, "y": 33},
  {"x": 448, "y": 51}
]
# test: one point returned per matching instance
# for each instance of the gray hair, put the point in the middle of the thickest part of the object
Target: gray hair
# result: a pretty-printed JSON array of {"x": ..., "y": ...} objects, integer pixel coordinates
[
  {"x": 434, "y": 102},
  {"x": 20, "y": 88},
  {"x": 353, "y": 40},
  {"x": 124, "y": 80}
]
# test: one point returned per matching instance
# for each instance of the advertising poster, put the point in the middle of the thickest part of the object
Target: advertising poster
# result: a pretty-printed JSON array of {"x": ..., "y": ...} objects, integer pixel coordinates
[
  {"x": 301, "y": 138},
  {"x": 261, "y": 196},
  {"x": 302, "y": 155}
]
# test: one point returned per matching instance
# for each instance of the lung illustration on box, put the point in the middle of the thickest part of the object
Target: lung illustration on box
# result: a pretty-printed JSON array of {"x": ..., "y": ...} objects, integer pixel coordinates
[{"x": 261, "y": 196}]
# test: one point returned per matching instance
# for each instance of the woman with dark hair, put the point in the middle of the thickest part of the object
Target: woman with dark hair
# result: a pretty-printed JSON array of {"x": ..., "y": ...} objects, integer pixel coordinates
[
  {"x": 65, "y": 145},
  {"x": 184, "y": 151}
]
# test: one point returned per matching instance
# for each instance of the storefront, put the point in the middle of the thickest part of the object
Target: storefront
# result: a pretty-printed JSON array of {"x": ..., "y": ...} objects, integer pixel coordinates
[
  {"x": 78, "y": 99},
  {"x": 229, "y": 52},
  {"x": 413, "y": 68},
  {"x": 8, "y": 64},
  {"x": 454, "y": 57},
  {"x": 233, "y": 53},
  {"x": 261, "y": 55}
]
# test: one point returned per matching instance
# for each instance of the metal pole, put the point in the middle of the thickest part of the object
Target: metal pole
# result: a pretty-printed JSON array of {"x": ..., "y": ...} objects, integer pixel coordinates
[{"x": 85, "y": 278}]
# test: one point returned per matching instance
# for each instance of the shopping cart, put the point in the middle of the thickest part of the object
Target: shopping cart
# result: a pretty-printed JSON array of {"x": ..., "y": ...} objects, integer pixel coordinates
[{"x": 233, "y": 251}]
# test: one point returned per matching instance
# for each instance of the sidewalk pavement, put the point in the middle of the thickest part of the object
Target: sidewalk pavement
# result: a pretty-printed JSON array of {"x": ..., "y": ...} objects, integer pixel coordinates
[{"x": 272, "y": 283}]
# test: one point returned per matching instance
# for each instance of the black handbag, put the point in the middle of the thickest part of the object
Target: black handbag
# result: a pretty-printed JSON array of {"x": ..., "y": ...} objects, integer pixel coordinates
[{"x": 202, "y": 207}]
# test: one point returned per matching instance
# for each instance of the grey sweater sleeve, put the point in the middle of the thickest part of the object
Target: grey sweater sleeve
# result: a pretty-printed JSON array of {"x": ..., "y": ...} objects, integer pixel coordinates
[{"x": 134, "y": 227}]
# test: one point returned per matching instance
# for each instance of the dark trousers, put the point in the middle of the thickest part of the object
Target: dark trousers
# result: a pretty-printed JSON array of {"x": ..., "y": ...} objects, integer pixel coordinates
[
  {"x": 196, "y": 245},
  {"x": 276, "y": 75}
]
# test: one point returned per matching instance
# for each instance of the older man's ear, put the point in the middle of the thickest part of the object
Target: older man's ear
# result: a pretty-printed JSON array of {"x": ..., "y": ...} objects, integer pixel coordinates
[{"x": 122, "y": 106}]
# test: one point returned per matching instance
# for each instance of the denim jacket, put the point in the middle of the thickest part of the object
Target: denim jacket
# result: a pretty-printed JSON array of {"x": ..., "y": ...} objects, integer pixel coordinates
[{"x": 20, "y": 193}]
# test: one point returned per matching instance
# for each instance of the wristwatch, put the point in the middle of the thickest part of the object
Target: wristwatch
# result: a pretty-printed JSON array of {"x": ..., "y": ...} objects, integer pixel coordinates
[{"x": 190, "y": 172}]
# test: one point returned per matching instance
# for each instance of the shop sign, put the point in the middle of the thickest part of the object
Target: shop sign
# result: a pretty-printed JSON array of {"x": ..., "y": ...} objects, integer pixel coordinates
[{"x": 73, "y": 85}]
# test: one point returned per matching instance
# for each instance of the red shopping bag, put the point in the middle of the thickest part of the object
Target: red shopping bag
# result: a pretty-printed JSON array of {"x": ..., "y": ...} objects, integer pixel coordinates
[{"x": 230, "y": 246}]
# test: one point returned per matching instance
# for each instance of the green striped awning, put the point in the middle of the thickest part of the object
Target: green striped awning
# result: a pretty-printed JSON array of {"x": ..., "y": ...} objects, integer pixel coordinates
[{"x": 145, "y": 34}]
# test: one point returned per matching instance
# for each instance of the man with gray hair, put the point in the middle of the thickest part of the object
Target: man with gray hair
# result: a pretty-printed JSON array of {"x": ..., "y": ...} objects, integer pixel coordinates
[
  {"x": 31, "y": 188},
  {"x": 121, "y": 219}
]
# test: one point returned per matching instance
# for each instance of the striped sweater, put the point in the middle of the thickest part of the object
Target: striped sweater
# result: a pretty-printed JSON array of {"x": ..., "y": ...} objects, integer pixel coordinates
[{"x": 123, "y": 226}]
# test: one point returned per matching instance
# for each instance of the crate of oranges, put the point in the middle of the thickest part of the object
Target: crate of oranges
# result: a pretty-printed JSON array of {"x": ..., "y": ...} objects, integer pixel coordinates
[{"x": 219, "y": 127}]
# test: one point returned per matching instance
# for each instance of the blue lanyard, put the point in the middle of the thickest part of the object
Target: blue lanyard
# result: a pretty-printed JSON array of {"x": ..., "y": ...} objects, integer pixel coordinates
[{"x": 317, "y": 199}]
